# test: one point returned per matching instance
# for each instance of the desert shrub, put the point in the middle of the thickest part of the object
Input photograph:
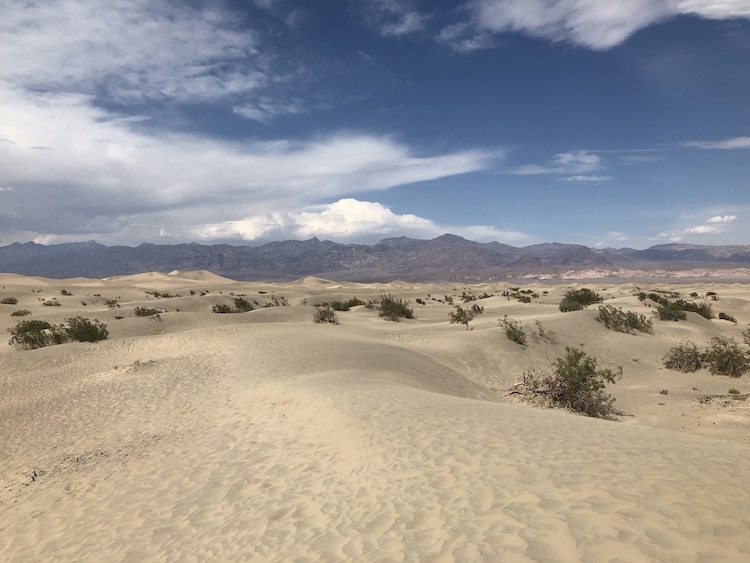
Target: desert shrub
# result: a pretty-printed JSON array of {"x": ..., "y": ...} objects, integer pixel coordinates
[
  {"x": 727, "y": 317},
  {"x": 466, "y": 297},
  {"x": 484, "y": 295},
  {"x": 685, "y": 358},
  {"x": 9, "y": 301},
  {"x": 711, "y": 294},
  {"x": 567, "y": 306},
  {"x": 419, "y": 301},
  {"x": 448, "y": 299},
  {"x": 623, "y": 321},
  {"x": 523, "y": 299},
  {"x": 725, "y": 357},
  {"x": 242, "y": 305},
  {"x": 462, "y": 316},
  {"x": 543, "y": 334},
  {"x": 514, "y": 331},
  {"x": 51, "y": 302},
  {"x": 325, "y": 314},
  {"x": 664, "y": 392},
  {"x": 734, "y": 391},
  {"x": 20, "y": 313},
  {"x": 394, "y": 309},
  {"x": 670, "y": 314},
  {"x": 222, "y": 308},
  {"x": 84, "y": 330},
  {"x": 746, "y": 336},
  {"x": 574, "y": 383},
  {"x": 583, "y": 296},
  {"x": 146, "y": 311},
  {"x": 65, "y": 292},
  {"x": 32, "y": 334},
  {"x": 703, "y": 309},
  {"x": 476, "y": 309}
]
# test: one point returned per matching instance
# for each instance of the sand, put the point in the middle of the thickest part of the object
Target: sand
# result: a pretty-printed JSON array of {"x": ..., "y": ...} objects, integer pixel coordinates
[{"x": 263, "y": 436}]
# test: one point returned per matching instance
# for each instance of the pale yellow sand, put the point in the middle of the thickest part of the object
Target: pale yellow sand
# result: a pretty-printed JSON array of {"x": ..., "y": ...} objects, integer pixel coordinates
[{"x": 263, "y": 436}]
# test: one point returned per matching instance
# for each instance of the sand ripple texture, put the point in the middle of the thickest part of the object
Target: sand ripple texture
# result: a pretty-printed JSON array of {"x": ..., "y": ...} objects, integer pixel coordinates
[{"x": 288, "y": 441}]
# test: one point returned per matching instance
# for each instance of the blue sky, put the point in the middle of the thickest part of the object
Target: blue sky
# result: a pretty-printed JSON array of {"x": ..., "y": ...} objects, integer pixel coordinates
[{"x": 617, "y": 123}]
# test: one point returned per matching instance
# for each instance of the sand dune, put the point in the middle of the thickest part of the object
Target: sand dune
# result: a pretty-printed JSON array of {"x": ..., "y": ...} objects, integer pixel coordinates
[{"x": 263, "y": 436}]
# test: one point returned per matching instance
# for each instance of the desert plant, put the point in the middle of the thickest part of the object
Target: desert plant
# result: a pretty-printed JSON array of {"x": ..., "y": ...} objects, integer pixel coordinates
[
  {"x": 84, "y": 330},
  {"x": 567, "y": 306},
  {"x": 222, "y": 308},
  {"x": 476, "y": 309},
  {"x": 670, "y": 314},
  {"x": 51, "y": 302},
  {"x": 583, "y": 296},
  {"x": 746, "y": 336},
  {"x": 543, "y": 334},
  {"x": 242, "y": 305},
  {"x": 685, "y": 358},
  {"x": 462, "y": 316},
  {"x": 734, "y": 391},
  {"x": 146, "y": 311},
  {"x": 394, "y": 309},
  {"x": 703, "y": 309},
  {"x": 514, "y": 331},
  {"x": 725, "y": 357},
  {"x": 65, "y": 292},
  {"x": 20, "y": 313},
  {"x": 325, "y": 314},
  {"x": 727, "y": 317},
  {"x": 664, "y": 392},
  {"x": 9, "y": 301},
  {"x": 574, "y": 383},
  {"x": 623, "y": 321},
  {"x": 31, "y": 334}
]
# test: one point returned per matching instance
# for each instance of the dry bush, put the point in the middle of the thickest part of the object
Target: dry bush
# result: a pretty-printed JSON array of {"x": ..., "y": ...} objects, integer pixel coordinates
[
  {"x": 725, "y": 357},
  {"x": 514, "y": 330},
  {"x": 686, "y": 357}
]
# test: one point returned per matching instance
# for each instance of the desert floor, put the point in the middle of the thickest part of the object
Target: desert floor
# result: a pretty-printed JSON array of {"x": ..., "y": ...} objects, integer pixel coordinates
[{"x": 264, "y": 436}]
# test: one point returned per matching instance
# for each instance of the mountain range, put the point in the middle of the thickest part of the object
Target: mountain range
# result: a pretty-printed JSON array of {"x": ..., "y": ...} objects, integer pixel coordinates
[{"x": 445, "y": 258}]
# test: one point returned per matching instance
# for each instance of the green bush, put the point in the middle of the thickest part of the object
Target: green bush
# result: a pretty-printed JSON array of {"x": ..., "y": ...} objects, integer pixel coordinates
[
  {"x": 703, "y": 309},
  {"x": 574, "y": 383},
  {"x": 514, "y": 331},
  {"x": 84, "y": 330},
  {"x": 146, "y": 311},
  {"x": 567, "y": 306},
  {"x": 670, "y": 314},
  {"x": 725, "y": 357},
  {"x": 462, "y": 316},
  {"x": 623, "y": 321},
  {"x": 325, "y": 314},
  {"x": 394, "y": 309},
  {"x": 9, "y": 301},
  {"x": 686, "y": 357},
  {"x": 242, "y": 305},
  {"x": 20, "y": 313},
  {"x": 31, "y": 334},
  {"x": 583, "y": 296}
]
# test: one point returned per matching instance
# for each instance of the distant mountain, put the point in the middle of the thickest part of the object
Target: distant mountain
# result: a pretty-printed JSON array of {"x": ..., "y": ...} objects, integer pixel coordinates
[{"x": 445, "y": 258}]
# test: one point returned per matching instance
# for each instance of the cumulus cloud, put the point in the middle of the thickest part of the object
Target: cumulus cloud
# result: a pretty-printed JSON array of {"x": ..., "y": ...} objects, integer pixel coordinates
[
  {"x": 347, "y": 219},
  {"x": 728, "y": 144},
  {"x": 595, "y": 24},
  {"x": 722, "y": 219},
  {"x": 107, "y": 173},
  {"x": 577, "y": 163}
]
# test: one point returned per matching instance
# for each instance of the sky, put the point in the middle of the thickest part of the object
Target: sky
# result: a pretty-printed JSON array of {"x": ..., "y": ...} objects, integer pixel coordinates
[{"x": 618, "y": 123}]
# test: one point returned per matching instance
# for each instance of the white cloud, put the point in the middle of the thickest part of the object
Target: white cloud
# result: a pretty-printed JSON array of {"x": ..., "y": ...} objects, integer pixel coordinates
[
  {"x": 129, "y": 51},
  {"x": 586, "y": 179},
  {"x": 722, "y": 219},
  {"x": 703, "y": 230},
  {"x": 394, "y": 17},
  {"x": 576, "y": 163},
  {"x": 728, "y": 144},
  {"x": 596, "y": 24},
  {"x": 6, "y": 189},
  {"x": 106, "y": 175},
  {"x": 347, "y": 219}
]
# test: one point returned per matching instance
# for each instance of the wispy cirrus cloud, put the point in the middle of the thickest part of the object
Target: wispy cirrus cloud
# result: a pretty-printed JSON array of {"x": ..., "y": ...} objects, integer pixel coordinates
[
  {"x": 727, "y": 144},
  {"x": 393, "y": 17},
  {"x": 575, "y": 163},
  {"x": 594, "y": 24},
  {"x": 585, "y": 179}
]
